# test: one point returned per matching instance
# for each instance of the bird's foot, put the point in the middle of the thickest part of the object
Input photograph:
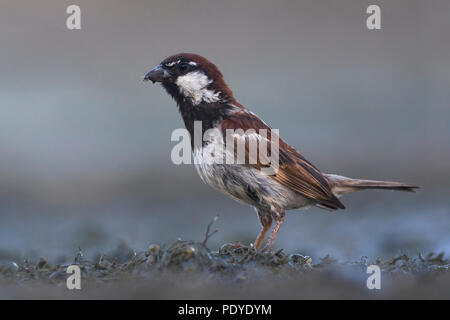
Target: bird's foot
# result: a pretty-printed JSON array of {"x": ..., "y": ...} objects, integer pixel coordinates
[{"x": 267, "y": 248}]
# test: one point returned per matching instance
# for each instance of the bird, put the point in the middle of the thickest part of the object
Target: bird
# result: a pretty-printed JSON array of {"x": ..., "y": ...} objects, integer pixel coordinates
[{"x": 201, "y": 94}]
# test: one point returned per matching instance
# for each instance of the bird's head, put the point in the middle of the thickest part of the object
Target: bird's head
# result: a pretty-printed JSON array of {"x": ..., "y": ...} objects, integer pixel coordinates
[{"x": 191, "y": 78}]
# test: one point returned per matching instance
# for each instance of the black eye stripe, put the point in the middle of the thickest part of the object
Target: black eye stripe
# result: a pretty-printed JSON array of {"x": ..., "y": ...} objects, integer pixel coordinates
[{"x": 181, "y": 66}]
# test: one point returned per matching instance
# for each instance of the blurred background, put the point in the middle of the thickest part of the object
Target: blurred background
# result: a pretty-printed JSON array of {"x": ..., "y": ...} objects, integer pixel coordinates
[{"x": 85, "y": 144}]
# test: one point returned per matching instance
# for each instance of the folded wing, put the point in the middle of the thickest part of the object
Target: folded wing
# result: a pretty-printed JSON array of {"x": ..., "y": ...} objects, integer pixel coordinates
[{"x": 294, "y": 171}]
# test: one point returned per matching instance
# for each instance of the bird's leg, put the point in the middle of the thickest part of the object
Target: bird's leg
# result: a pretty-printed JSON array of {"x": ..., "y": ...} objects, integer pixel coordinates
[
  {"x": 266, "y": 222},
  {"x": 279, "y": 217}
]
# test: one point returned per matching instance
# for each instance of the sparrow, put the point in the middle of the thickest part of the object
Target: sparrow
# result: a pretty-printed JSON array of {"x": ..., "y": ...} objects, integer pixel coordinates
[{"x": 200, "y": 91}]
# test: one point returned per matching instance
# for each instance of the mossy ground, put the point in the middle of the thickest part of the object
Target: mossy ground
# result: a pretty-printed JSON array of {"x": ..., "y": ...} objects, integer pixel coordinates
[{"x": 189, "y": 270}]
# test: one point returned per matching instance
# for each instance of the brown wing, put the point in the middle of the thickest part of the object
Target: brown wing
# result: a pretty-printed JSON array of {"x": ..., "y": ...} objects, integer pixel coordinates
[{"x": 295, "y": 172}]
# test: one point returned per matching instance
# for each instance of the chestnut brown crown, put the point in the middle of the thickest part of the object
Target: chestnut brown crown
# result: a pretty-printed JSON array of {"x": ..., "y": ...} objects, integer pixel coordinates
[{"x": 177, "y": 65}]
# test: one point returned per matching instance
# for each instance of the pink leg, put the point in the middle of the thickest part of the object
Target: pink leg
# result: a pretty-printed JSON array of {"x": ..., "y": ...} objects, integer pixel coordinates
[
  {"x": 266, "y": 222},
  {"x": 279, "y": 219}
]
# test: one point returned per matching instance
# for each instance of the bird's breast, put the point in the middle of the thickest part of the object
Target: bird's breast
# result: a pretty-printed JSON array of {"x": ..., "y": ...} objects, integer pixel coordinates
[{"x": 243, "y": 183}]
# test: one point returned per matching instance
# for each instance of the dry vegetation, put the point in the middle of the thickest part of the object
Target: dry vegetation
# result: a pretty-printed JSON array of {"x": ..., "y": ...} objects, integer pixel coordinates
[{"x": 189, "y": 270}]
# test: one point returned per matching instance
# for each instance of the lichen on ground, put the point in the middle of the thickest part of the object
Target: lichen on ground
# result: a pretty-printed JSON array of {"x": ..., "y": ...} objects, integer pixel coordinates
[{"x": 188, "y": 269}]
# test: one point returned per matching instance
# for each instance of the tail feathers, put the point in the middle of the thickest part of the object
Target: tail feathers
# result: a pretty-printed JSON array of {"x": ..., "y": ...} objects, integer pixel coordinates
[{"x": 342, "y": 185}]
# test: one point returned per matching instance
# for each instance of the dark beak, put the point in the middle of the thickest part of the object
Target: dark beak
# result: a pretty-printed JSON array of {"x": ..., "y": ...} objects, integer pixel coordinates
[{"x": 157, "y": 74}]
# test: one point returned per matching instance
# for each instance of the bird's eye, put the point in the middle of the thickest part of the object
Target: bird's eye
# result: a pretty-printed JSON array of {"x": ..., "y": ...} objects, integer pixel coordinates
[{"x": 184, "y": 66}]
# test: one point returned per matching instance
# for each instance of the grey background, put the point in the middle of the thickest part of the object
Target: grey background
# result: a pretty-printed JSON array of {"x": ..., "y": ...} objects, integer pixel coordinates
[{"x": 85, "y": 145}]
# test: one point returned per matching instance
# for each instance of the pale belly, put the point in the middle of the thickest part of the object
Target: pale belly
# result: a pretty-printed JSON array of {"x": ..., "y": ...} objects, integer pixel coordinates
[{"x": 245, "y": 184}]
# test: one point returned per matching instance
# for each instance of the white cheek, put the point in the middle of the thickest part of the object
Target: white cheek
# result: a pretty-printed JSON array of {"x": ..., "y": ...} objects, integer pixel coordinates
[
  {"x": 193, "y": 81},
  {"x": 193, "y": 86}
]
